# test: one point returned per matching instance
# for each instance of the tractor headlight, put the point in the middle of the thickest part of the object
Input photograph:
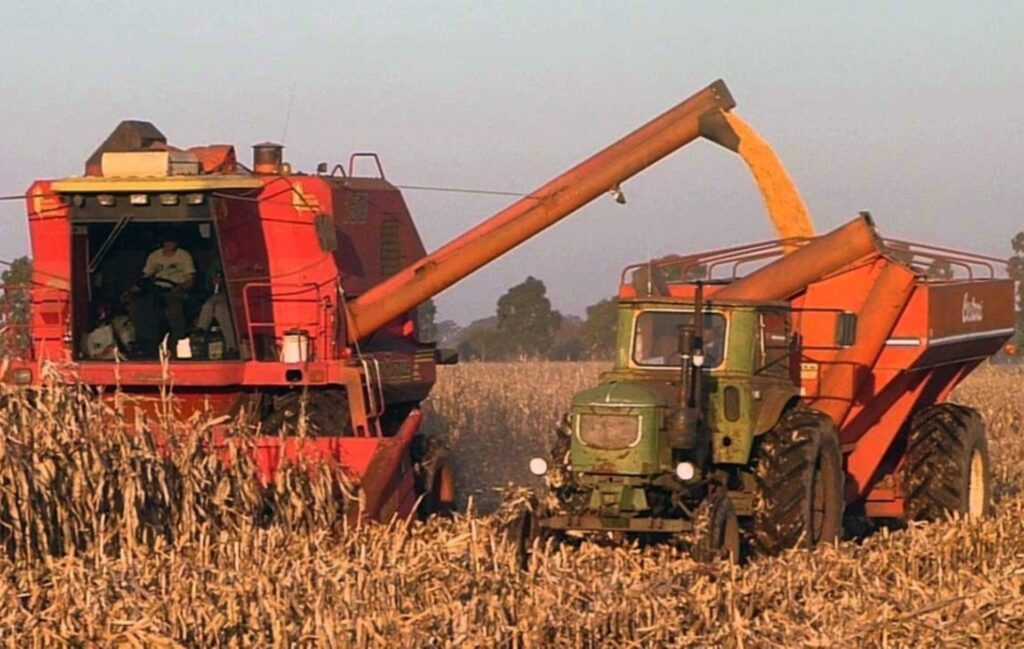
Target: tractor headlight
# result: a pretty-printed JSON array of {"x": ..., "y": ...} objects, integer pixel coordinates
[
  {"x": 538, "y": 466},
  {"x": 686, "y": 471}
]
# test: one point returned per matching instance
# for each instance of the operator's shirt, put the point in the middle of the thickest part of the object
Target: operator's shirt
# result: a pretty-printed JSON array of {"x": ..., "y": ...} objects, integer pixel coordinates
[{"x": 176, "y": 267}]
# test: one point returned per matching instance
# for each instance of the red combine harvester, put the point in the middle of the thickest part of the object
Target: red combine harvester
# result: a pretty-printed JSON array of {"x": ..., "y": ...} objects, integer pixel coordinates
[{"x": 319, "y": 276}]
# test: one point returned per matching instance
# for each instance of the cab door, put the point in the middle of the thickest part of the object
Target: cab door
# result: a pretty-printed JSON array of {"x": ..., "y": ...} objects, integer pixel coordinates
[{"x": 772, "y": 382}]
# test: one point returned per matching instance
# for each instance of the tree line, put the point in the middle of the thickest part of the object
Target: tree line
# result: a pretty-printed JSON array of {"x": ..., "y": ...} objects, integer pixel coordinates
[{"x": 526, "y": 326}]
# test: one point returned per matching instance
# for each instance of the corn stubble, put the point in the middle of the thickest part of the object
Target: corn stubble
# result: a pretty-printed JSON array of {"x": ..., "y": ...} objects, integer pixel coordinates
[{"x": 104, "y": 541}]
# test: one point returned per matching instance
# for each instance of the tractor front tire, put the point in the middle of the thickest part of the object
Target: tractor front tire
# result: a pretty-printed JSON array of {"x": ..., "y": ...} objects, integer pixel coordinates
[
  {"x": 947, "y": 468},
  {"x": 716, "y": 529},
  {"x": 799, "y": 475}
]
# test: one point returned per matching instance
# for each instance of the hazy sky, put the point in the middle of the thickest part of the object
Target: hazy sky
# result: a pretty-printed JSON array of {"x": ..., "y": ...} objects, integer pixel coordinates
[{"x": 913, "y": 110}]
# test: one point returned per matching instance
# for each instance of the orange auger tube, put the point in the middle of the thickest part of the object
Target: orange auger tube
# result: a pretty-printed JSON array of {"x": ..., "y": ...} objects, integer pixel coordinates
[
  {"x": 882, "y": 308},
  {"x": 820, "y": 257},
  {"x": 528, "y": 216}
]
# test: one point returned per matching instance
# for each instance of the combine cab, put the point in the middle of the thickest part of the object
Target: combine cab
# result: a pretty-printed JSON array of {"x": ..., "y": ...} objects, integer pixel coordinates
[
  {"x": 781, "y": 399},
  {"x": 316, "y": 278}
]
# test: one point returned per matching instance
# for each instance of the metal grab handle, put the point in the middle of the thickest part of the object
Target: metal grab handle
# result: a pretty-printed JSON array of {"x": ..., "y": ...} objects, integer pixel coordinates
[
  {"x": 374, "y": 391},
  {"x": 364, "y": 154}
]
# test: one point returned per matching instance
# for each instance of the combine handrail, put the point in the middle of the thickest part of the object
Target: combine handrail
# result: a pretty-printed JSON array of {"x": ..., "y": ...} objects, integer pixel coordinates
[{"x": 320, "y": 342}]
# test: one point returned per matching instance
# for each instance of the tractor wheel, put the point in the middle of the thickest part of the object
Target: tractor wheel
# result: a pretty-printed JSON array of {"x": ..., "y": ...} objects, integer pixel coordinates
[
  {"x": 947, "y": 467},
  {"x": 716, "y": 530},
  {"x": 799, "y": 473},
  {"x": 523, "y": 530}
]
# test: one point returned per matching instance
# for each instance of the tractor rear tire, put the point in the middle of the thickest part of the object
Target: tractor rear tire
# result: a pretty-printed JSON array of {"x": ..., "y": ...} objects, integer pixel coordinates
[
  {"x": 799, "y": 474},
  {"x": 947, "y": 468},
  {"x": 716, "y": 529}
]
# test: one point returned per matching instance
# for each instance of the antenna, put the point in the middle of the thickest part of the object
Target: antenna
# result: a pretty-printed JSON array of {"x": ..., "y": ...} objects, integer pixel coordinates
[{"x": 288, "y": 113}]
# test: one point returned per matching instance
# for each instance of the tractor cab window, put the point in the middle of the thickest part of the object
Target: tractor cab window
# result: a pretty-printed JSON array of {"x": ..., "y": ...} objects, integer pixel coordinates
[
  {"x": 138, "y": 282},
  {"x": 656, "y": 338}
]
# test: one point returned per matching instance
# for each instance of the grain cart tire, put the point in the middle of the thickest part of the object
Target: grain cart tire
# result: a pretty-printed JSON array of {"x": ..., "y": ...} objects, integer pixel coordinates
[
  {"x": 716, "y": 530},
  {"x": 947, "y": 468},
  {"x": 799, "y": 475}
]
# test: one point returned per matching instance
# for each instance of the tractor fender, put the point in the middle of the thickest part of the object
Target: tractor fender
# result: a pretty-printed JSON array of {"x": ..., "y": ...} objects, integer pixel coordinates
[{"x": 775, "y": 404}]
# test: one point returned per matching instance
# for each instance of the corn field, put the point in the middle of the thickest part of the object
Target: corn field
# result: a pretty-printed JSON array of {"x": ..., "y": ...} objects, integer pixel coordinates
[{"x": 106, "y": 542}]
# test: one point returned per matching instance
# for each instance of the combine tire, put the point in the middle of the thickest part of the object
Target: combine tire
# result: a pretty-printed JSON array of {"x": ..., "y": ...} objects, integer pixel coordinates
[
  {"x": 326, "y": 414},
  {"x": 947, "y": 466},
  {"x": 716, "y": 530},
  {"x": 435, "y": 481},
  {"x": 799, "y": 473}
]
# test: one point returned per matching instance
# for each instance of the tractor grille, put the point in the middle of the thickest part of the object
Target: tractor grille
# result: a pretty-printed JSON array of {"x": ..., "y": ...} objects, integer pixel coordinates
[{"x": 609, "y": 431}]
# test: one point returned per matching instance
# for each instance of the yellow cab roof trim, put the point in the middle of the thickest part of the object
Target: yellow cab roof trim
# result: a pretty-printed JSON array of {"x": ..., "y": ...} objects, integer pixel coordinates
[{"x": 91, "y": 184}]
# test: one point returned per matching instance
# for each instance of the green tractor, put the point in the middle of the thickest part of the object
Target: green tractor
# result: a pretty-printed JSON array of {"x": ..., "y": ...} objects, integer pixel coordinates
[{"x": 697, "y": 427}]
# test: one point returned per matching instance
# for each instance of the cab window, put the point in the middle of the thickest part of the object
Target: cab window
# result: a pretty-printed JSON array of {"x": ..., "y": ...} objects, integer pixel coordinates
[{"x": 656, "y": 338}]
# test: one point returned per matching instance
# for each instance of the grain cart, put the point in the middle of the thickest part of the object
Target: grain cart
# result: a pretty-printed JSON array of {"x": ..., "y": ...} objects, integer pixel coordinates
[
  {"x": 776, "y": 400},
  {"x": 322, "y": 275}
]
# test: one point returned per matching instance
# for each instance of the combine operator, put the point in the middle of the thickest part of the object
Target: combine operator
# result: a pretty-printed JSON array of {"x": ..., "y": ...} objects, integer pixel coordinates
[{"x": 158, "y": 306}]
